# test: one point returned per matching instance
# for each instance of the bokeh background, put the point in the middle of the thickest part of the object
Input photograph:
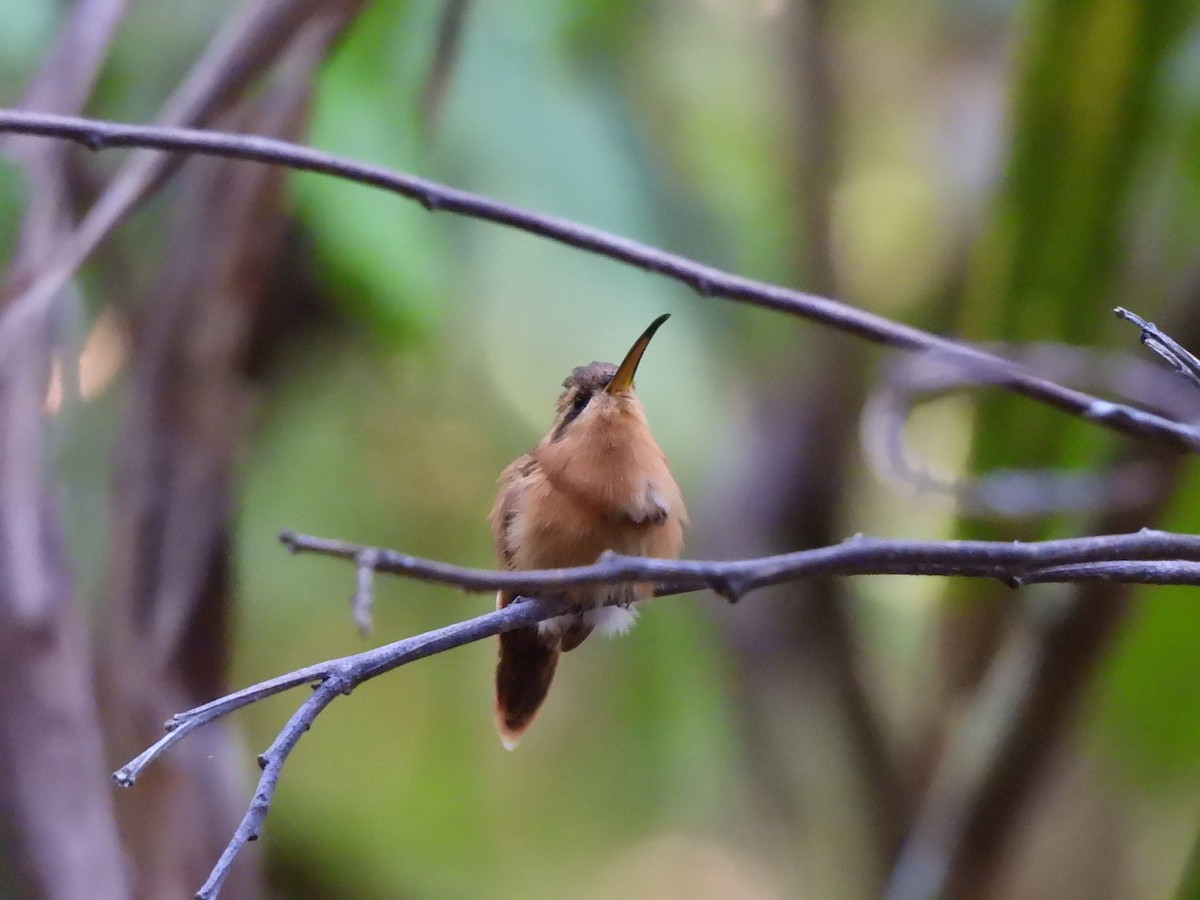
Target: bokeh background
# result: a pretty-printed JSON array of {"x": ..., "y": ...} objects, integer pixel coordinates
[{"x": 998, "y": 171}]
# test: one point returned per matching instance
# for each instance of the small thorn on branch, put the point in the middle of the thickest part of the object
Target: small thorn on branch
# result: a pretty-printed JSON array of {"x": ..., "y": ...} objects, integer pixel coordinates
[
  {"x": 94, "y": 140},
  {"x": 729, "y": 587}
]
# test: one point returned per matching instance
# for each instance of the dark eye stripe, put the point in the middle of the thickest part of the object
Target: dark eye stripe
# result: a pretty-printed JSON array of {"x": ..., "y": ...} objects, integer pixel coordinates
[{"x": 578, "y": 405}]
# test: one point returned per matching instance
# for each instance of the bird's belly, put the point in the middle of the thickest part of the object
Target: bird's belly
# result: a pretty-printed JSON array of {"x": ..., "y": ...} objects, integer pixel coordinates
[{"x": 566, "y": 535}]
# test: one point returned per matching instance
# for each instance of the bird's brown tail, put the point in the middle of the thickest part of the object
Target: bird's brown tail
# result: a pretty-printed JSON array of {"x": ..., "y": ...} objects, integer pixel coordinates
[{"x": 523, "y": 676}]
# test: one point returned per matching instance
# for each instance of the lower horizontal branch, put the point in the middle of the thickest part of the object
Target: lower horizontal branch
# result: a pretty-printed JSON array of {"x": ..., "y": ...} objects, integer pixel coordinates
[
  {"x": 1143, "y": 557},
  {"x": 1150, "y": 557}
]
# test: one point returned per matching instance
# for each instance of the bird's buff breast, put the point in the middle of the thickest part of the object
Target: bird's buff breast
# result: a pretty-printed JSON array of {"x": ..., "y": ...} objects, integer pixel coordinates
[{"x": 559, "y": 531}]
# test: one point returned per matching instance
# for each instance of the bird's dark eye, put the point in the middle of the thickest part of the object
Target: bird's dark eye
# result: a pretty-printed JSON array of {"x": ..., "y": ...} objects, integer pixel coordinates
[{"x": 580, "y": 401}]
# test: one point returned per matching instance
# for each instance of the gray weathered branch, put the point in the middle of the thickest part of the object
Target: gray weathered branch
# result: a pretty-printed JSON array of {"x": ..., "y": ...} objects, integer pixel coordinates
[
  {"x": 1147, "y": 557},
  {"x": 705, "y": 280}
]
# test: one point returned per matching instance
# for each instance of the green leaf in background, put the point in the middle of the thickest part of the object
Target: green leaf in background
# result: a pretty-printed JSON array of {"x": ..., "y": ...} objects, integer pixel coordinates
[
  {"x": 28, "y": 27},
  {"x": 384, "y": 257}
]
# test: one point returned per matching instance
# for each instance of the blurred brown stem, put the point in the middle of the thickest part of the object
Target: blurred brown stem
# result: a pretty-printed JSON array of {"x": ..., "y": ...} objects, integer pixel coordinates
[
  {"x": 58, "y": 821},
  {"x": 191, "y": 406}
]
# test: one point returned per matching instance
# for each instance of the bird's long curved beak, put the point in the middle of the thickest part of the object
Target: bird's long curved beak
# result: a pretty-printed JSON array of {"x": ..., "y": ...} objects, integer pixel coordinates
[{"x": 623, "y": 379}]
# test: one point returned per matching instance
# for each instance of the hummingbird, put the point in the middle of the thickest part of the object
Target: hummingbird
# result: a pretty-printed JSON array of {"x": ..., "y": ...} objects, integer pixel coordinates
[{"x": 597, "y": 481}]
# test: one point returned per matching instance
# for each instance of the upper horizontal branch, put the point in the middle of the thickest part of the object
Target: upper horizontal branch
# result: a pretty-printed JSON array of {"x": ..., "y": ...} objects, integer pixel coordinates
[
  {"x": 706, "y": 280},
  {"x": 1141, "y": 556}
]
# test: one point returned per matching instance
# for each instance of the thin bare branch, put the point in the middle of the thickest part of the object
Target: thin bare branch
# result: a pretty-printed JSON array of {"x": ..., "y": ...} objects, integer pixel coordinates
[
  {"x": 705, "y": 280},
  {"x": 908, "y": 381},
  {"x": 982, "y": 789},
  {"x": 1177, "y": 356},
  {"x": 272, "y": 763},
  {"x": 1141, "y": 557},
  {"x": 353, "y": 669},
  {"x": 1145, "y": 556},
  {"x": 331, "y": 679},
  {"x": 248, "y": 43},
  {"x": 1161, "y": 571}
]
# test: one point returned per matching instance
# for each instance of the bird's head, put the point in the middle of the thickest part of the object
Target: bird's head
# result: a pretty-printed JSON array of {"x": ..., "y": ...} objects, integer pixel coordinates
[{"x": 601, "y": 394}]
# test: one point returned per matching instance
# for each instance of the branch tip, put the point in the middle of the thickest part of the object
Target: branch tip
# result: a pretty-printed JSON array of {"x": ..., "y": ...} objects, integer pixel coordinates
[{"x": 1171, "y": 351}]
